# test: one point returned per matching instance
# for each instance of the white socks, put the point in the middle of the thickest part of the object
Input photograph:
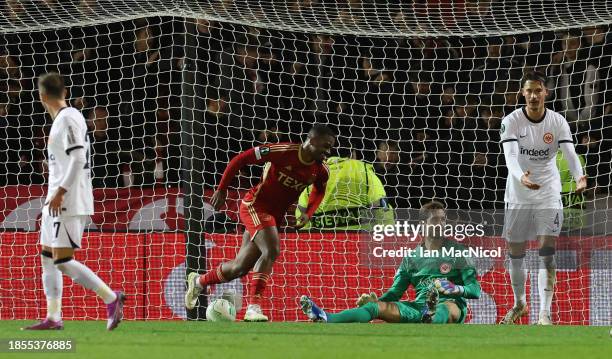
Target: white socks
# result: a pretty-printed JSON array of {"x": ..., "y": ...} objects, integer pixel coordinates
[
  {"x": 197, "y": 282},
  {"x": 547, "y": 274},
  {"x": 547, "y": 277},
  {"x": 87, "y": 278},
  {"x": 53, "y": 285},
  {"x": 518, "y": 276}
]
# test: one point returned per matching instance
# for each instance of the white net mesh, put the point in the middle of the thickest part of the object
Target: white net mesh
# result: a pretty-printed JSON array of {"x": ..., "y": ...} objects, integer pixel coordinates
[{"x": 417, "y": 89}]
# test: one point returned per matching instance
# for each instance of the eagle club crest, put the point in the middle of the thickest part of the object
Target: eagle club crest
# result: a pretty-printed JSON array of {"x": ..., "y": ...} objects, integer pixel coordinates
[
  {"x": 445, "y": 268},
  {"x": 548, "y": 138}
]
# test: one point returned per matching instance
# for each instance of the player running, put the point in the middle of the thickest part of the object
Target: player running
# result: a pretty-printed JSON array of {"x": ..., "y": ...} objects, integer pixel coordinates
[
  {"x": 67, "y": 207},
  {"x": 442, "y": 285},
  {"x": 531, "y": 136},
  {"x": 290, "y": 168}
]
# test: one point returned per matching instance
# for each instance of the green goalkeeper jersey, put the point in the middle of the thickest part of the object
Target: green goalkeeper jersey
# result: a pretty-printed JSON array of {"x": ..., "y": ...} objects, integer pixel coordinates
[{"x": 420, "y": 270}]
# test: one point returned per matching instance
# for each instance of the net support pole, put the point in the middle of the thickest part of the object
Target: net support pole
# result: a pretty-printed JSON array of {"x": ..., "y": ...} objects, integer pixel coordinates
[{"x": 192, "y": 164}]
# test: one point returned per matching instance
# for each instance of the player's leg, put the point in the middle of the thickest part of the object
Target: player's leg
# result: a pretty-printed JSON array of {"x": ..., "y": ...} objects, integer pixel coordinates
[
  {"x": 53, "y": 284},
  {"x": 235, "y": 268},
  {"x": 67, "y": 238},
  {"x": 225, "y": 272},
  {"x": 245, "y": 260},
  {"x": 387, "y": 311},
  {"x": 447, "y": 312},
  {"x": 547, "y": 277},
  {"x": 268, "y": 243},
  {"x": 518, "y": 223},
  {"x": 51, "y": 278},
  {"x": 549, "y": 225}
]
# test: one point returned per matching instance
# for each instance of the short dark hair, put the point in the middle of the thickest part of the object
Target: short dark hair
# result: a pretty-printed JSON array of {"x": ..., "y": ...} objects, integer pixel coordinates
[
  {"x": 534, "y": 76},
  {"x": 428, "y": 208},
  {"x": 321, "y": 130},
  {"x": 52, "y": 84}
]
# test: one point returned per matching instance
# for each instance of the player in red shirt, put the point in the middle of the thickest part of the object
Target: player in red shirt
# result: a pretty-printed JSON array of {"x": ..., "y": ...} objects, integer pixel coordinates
[{"x": 290, "y": 167}]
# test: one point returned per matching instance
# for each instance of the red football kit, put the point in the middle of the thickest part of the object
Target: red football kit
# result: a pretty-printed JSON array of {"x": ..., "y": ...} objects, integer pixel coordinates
[{"x": 285, "y": 176}]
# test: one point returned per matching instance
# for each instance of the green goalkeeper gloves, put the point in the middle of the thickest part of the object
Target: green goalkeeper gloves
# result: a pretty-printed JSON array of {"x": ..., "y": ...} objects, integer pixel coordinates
[{"x": 366, "y": 298}]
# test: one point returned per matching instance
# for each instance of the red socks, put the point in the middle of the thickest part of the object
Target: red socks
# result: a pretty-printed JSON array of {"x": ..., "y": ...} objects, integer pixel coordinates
[
  {"x": 258, "y": 285},
  {"x": 214, "y": 276}
]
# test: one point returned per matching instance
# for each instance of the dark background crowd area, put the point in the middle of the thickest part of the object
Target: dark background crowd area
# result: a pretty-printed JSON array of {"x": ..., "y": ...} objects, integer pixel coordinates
[{"x": 426, "y": 111}]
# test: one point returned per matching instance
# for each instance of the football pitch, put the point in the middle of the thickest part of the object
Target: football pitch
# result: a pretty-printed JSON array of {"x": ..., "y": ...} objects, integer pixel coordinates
[{"x": 177, "y": 339}]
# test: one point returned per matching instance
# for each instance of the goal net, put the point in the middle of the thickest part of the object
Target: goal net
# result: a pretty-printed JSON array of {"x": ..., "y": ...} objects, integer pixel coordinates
[{"x": 172, "y": 90}]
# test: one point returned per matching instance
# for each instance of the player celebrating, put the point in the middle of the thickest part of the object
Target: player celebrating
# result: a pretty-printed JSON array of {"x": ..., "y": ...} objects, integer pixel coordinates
[
  {"x": 442, "y": 285},
  {"x": 68, "y": 205},
  {"x": 531, "y": 136},
  {"x": 290, "y": 168}
]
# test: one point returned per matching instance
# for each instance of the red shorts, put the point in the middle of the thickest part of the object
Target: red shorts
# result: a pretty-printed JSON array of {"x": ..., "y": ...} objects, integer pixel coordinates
[{"x": 256, "y": 218}]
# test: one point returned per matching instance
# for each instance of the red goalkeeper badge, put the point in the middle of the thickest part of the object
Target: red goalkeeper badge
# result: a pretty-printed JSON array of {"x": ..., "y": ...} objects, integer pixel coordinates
[
  {"x": 548, "y": 138},
  {"x": 445, "y": 268}
]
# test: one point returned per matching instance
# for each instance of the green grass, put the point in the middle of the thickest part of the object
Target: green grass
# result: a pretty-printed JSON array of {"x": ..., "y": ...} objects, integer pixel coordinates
[{"x": 175, "y": 340}]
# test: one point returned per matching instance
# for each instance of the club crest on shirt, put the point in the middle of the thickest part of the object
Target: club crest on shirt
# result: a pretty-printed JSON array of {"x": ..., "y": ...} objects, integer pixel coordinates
[
  {"x": 264, "y": 150},
  {"x": 502, "y": 129},
  {"x": 445, "y": 268},
  {"x": 548, "y": 138}
]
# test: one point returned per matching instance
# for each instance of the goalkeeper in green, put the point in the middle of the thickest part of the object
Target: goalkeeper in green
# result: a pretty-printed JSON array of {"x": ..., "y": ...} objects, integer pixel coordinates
[{"x": 442, "y": 285}]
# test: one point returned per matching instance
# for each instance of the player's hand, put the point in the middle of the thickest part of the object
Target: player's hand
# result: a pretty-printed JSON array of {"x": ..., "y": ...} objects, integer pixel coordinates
[
  {"x": 302, "y": 221},
  {"x": 218, "y": 199},
  {"x": 447, "y": 287},
  {"x": 55, "y": 203},
  {"x": 366, "y": 298},
  {"x": 527, "y": 182},
  {"x": 581, "y": 184}
]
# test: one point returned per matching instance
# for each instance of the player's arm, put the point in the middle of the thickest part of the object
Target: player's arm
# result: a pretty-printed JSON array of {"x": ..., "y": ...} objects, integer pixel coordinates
[
  {"x": 74, "y": 146},
  {"x": 401, "y": 282},
  {"x": 318, "y": 191},
  {"x": 468, "y": 287},
  {"x": 315, "y": 198},
  {"x": 509, "y": 140},
  {"x": 569, "y": 153},
  {"x": 254, "y": 156},
  {"x": 303, "y": 202}
]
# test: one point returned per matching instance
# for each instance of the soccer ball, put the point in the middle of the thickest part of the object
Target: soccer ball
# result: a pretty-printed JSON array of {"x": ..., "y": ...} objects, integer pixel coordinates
[{"x": 221, "y": 310}]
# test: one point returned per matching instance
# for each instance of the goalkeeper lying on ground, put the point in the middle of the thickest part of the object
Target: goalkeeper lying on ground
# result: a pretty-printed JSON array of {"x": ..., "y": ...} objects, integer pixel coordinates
[{"x": 442, "y": 286}]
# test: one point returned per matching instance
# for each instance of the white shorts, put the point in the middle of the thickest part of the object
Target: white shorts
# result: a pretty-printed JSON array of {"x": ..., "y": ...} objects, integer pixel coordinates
[
  {"x": 524, "y": 222},
  {"x": 62, "y": 231}
]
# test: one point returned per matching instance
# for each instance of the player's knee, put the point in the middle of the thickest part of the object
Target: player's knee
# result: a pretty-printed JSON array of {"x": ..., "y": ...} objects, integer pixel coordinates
[
  {"x": 375, "y": 308},
  {"x": 547, "y": 256},
  {"x": 517, "y": 250}
]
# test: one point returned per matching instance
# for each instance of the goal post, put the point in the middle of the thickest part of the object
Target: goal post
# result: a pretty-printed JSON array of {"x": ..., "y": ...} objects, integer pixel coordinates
[{"x": 172, "y": 90}]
